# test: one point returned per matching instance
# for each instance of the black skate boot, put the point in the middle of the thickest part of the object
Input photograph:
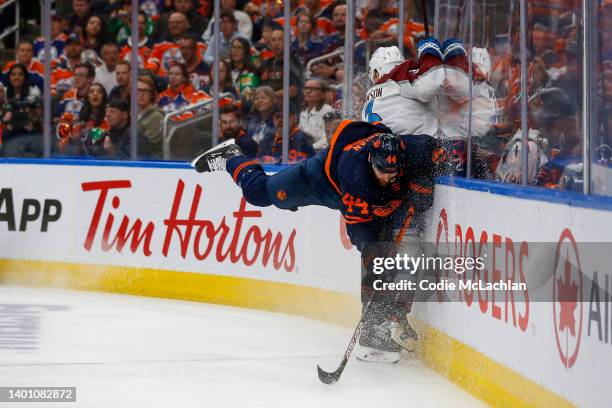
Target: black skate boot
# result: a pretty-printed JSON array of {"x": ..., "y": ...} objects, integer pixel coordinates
[{"x": 215, "y": 158}]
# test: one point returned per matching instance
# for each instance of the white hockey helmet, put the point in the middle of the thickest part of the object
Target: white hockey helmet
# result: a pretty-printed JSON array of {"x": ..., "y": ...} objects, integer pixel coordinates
[
  {"x": 482, "y": 59},
  {"x": 384, "y": 60}
]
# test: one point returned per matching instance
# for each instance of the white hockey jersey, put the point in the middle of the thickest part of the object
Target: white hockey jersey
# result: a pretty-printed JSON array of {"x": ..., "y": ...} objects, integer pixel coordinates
[
  {"x": 405, "y": 99},
  {"x": 453, "y": 107},
  {"x": 431, "y": 98}
]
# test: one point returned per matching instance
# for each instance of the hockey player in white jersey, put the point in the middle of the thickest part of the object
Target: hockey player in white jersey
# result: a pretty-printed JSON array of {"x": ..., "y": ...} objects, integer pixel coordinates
[
  {"x": 453, "y": 107},
  {"x": 431, "y": 97},
  {"x": 404, "y": 95}
]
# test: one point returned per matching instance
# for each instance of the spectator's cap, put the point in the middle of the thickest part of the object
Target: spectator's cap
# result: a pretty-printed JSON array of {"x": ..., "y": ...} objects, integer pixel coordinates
[
  {"x": 74, "y": 37},
  {"x": 555, "y": 104},
  {"x": 119, "y": 104},
  {"x": 333, "y": 115}
]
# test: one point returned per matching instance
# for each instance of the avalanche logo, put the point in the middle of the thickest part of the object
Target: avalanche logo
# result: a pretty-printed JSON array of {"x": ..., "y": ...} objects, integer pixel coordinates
[{"x": 567, "y": 299}]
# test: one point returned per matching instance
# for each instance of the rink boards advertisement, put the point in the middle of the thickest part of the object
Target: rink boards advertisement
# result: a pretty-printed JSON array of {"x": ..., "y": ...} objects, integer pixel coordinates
[
  {"x": 169, "y": 219},
  {"x": 553, "y": 339},
  {"x": 557, "y": 332}
]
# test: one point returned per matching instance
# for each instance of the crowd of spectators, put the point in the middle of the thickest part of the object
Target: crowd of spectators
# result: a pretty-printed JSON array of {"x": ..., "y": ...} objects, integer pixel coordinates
[
  {"x": 554, "y": 98},
  {"x": 91, "y": 53},
  {"x": 91, "y": 81}
]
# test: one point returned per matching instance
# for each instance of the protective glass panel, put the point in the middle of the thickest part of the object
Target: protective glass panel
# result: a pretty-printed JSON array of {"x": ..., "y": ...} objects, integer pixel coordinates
[
  {"x": 453, "y": 100},
  {"x": 601, "y": 137},
  {"x": 554, "y": 94},
  {"x": 495, "y": 104},
  {"x": 21, "y": 81}
]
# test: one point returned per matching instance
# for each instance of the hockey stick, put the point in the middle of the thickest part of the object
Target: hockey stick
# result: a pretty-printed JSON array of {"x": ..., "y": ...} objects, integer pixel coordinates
[
  {"x": 425, "y": 21},
  {"x": 333, "y": 377}
]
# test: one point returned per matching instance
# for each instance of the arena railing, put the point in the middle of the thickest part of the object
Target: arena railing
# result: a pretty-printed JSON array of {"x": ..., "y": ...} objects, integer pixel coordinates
[
  {"x": 325, "y": 57},
  {"x": 202, "y": 110},
  {"x": 14, "y": 28}
]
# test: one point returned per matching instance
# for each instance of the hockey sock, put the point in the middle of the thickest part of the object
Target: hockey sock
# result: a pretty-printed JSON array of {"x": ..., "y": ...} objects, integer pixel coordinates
[{"x": 251, "y": 178}]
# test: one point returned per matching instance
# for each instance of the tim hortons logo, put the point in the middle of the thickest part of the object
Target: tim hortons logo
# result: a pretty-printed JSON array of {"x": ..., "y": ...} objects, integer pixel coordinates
[
  {"x": 567, "y": 299},
  {"x": 225, "y": 240}
]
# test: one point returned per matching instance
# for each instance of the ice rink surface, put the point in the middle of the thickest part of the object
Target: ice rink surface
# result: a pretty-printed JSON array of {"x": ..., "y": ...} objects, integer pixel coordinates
[{"x": 128, "y": 351}]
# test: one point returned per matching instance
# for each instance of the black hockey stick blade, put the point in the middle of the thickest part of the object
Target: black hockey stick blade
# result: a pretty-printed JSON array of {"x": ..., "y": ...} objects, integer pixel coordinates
[{"x": 330, "y": 378}]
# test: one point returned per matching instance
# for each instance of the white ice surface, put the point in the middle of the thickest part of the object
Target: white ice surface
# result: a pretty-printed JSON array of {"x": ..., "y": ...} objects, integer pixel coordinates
[{"x": 128, "y": 351}]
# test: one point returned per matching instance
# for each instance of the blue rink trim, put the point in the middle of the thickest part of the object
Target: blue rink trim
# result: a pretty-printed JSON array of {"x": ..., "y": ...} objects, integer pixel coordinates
[
  {"x": 573, "y": 199},
  {"x": 570, "y": 198},
  {"x": 96, "y": 162}
]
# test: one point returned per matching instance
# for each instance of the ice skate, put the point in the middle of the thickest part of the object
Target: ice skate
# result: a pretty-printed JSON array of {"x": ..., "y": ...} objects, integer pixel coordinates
[
  {"x": 403, "y": 334},
  {"x": 214, "y": 159},
  {"x": 376, "y": 344},
  {"x": 372, "y": 355}
]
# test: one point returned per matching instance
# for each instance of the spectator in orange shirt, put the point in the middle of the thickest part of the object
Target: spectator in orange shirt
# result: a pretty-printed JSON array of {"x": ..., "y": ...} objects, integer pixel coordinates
[
  {"x": 167, "y": 52},
  {"x": 73, "y": 100},
  {"x": 180, "y": 92},
  {"x": 63, "y": 67},
  {"x": 145, "y": 46},
  {"x": 24, "y": 55}
]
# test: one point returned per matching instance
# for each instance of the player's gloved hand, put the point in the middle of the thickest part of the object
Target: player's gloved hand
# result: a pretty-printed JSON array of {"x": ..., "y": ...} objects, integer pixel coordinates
[
  {"x": 429, "y": 46},
  {"x": 452, "y": 48}
]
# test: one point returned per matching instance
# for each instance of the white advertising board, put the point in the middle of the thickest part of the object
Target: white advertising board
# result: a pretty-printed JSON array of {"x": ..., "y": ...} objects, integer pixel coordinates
[
  {"x": 169, "y": 219},
  {"x": 558, "y": 332},
  {"x": 174, "y": 219}
]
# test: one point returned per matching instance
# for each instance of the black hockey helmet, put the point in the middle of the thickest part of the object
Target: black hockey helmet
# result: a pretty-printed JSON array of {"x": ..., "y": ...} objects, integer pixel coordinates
[{"x": 386, "y": 152}]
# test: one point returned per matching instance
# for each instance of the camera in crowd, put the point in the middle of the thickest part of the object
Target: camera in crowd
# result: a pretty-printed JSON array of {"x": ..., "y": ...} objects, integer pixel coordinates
[{"x": 24, "y": 114}]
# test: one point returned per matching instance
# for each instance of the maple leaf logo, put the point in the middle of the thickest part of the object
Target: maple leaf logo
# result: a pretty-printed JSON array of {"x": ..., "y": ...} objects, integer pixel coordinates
[{"x": 568, "y": 295}]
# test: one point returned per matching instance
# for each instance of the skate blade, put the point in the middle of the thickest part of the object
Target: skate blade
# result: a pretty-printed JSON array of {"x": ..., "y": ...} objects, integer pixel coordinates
[{"x": 370, "y": 355}]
